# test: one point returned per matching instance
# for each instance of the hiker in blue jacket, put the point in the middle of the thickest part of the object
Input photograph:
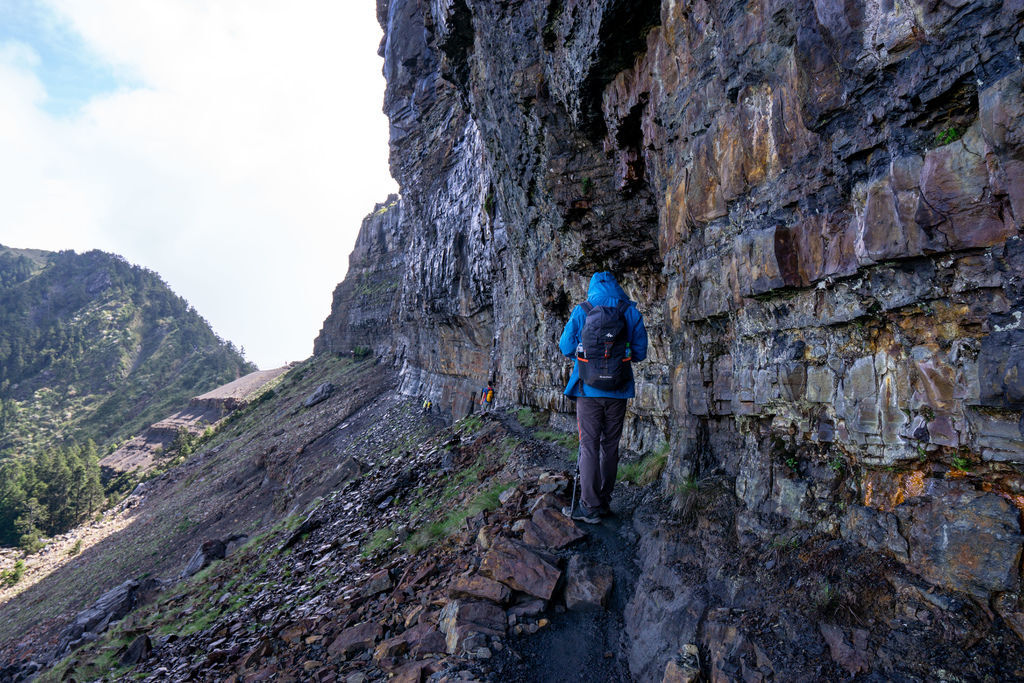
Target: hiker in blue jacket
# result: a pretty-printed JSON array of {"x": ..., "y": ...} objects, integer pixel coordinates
[{"x": 600, "y": 412}]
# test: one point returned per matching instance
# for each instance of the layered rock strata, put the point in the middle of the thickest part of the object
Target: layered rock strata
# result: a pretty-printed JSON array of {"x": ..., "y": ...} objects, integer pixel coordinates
[
  {"x": 364, "y": 305},
  {"x": 817, "y": 206}
]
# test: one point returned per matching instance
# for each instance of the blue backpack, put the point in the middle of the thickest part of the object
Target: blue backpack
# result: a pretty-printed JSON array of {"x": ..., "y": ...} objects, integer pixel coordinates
[{"x": 603, "y": 352}]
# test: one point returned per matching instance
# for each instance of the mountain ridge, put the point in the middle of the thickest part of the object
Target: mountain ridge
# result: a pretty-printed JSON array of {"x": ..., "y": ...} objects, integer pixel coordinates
[{"x": 102, "y": 343}]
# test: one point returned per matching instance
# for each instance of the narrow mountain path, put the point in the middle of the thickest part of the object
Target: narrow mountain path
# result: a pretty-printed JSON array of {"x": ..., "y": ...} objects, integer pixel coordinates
[{"x": 580, "y": 645}]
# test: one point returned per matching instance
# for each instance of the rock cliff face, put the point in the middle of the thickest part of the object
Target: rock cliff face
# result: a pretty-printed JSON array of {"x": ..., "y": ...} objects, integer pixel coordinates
[
  {"x": 816, "y": 204},
  {"x": 365, "y": 304}
]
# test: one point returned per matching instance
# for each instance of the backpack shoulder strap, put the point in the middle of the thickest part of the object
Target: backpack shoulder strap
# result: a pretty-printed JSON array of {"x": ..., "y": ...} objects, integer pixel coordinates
[
  {"x": 587, "y": 307},
  {"x": 623, "y": 305}
]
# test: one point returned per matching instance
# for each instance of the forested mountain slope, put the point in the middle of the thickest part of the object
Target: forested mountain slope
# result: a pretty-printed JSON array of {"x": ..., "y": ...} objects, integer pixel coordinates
[{"x": 92, "y": 347}]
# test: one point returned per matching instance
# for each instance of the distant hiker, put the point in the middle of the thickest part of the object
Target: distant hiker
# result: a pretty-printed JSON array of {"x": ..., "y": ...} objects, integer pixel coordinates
[
  {"x": 605, "y": 335},
  {"x": 486, "y": 398},
  {"x": 427, "y": 405}
]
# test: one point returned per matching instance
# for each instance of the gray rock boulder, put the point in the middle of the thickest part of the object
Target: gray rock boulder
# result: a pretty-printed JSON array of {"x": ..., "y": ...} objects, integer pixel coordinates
[
  {"x": 208, "y": 552},
  {"x": 588, "y": 584},
  {"x": 110, "y": 607},
  {"x": 322, "y": 393}
]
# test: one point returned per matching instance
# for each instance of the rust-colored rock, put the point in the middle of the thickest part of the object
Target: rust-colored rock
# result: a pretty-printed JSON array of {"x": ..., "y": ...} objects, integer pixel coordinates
[
  {"x": 424, "y": 639},
  {"x": 390, "y": 648},
  {"x": 480, "y": 588},
  {"x": 359, "y": 637},
  {"x": 519, "y": 568},
  {"x": 966, "y": 540},
  {"x": 549, "y": 528},
  {"x": 954, "y": 183},
  {"x": 413, "y": 672},
  {"x": 685, "y": 668},
  {"x": 295, "y": 632},
  {"x": 850, "y": 653},
  {"x": 417, "y": 641}
]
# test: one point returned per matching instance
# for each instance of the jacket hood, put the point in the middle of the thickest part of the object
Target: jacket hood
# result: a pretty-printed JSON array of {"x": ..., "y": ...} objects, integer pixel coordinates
[{"x": 604, "y": 286}]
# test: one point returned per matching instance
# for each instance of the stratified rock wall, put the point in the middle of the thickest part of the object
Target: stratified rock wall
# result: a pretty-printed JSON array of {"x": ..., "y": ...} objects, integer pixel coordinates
[
  {"x": 817, "y": 206},
  {"x": 365, "y": 306}
]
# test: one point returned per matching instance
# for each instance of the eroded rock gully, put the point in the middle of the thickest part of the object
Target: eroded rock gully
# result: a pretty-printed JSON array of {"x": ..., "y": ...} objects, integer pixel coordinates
[{"x": 817, "y": 206}]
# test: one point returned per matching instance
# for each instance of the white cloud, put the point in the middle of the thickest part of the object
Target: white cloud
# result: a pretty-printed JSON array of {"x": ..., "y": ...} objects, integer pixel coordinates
[{"x": 238, "y": 164}]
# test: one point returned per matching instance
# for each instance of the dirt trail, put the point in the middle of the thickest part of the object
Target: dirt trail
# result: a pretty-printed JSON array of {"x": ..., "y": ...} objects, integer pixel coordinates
[{"x": 581, "y": 645}]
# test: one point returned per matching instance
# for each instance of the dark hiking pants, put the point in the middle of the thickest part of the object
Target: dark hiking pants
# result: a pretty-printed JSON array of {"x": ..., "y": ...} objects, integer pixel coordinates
[{"x": 600, "y": 424}]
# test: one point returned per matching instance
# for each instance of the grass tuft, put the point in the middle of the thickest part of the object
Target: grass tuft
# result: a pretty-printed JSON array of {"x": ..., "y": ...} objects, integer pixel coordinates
[
  {"x": 563, "y": 439},
  {"x": 528, "y": 418},
  {"x": 469, "y": 424},
  {"x": 645, "y": 471},
  {"x": 379, "y": 539},
  {"x": 447, "y": 525}
]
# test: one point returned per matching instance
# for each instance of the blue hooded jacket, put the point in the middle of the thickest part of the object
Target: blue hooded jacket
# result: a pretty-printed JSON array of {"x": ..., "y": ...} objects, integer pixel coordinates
[{"x": 604, "y": 291}]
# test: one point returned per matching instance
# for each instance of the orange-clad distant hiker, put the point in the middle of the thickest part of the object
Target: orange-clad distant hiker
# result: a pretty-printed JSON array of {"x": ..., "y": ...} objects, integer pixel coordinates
[
  {"x": 486, "y": 398},
  {"x": 605, "y": 335}
]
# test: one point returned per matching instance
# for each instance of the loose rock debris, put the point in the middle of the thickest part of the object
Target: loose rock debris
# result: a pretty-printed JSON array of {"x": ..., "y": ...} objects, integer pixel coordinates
[{"x": 410, "y": 571}]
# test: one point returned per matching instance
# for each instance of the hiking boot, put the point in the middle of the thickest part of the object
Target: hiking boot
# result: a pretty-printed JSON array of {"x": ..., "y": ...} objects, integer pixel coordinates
[
  {"x": 586, "y": 514},
  {"x": 605, "y": 510}
]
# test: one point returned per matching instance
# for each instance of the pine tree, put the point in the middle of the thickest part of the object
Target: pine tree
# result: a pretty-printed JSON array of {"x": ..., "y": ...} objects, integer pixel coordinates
[
  {"x": 12, "y": 499},
  {"x": 59, "y": 489},
  {"x": 28, "y": 524},
  {"x": 77, "y": 507}
]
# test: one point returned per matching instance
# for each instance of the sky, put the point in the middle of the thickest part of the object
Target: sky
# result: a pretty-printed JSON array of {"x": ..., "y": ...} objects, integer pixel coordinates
[{"x": 232, "y": 146}]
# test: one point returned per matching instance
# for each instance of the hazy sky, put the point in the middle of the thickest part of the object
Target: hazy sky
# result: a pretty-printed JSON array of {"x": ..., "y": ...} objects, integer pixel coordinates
[{"x": 233, "y": 146}]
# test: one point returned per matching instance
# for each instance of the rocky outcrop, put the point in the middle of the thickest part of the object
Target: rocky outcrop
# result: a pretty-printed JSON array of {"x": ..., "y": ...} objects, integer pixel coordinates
[
  {"x": 110, "y": 607},
  {"x": 210, "y": 551},
  {"x": 817, "y": 206},
  {"x": 322, "y": 393},
  {"x": 141, "y": 453},
  {"x": 237, "y": 394},
  {"x": 365, "y": 306},
  {"x": 819, "y": 226}
]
